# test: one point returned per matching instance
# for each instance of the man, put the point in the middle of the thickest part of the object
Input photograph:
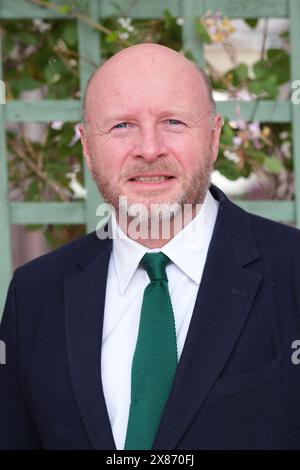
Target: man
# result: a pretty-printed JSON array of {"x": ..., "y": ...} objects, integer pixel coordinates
[{"x": 167, "y": 342}]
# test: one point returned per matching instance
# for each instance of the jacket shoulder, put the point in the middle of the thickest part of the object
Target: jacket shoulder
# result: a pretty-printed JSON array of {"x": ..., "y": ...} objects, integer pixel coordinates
[
  {"x": 274, "y": 231},
  {"x": 61, "y": 261}
]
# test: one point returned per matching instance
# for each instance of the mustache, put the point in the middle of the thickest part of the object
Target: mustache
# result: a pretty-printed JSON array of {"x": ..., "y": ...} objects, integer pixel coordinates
[{"x": 172, "y": 168}]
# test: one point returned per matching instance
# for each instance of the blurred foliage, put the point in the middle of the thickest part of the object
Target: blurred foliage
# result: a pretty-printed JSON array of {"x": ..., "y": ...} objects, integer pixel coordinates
[
  {"x": 42, "y": 56},
  {"x": 251, "y": 147}
]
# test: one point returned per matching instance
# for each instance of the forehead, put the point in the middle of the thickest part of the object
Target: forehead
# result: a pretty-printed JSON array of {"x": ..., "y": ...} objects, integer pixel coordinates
[{"x": 152, "y": 86}]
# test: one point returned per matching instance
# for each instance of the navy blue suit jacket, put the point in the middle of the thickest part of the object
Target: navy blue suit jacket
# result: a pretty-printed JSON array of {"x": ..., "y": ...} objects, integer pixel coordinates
[{"x": 236, "y": 385}]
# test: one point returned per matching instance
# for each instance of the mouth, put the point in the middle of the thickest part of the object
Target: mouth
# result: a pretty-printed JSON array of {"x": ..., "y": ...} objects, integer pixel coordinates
[{"x": 152, "y": 181}]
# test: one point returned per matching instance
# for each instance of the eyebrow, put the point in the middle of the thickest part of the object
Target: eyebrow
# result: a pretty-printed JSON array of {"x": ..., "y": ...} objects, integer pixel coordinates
[{"x": 130, "y": 116}]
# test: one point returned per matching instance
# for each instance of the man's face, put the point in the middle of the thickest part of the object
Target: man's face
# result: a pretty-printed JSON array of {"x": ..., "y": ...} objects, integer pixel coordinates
[{"x": 150, "y": 118}]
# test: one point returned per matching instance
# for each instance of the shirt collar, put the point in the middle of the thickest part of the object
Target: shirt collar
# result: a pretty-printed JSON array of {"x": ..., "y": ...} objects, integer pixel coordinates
[{"x": 190, "y": 243}]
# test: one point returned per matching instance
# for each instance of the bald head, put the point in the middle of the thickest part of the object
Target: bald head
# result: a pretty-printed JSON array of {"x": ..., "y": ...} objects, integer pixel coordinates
[{"x": 145, "y": 63}]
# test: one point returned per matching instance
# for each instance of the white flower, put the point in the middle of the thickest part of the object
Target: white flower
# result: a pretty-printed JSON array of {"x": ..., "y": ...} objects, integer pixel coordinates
[
  {"x": 124, "y": 22},
  {"x": 179, "y": 21},
  {"x": 283, "y": 135},
  {"x": 41, "y": 25},
  {"x": 286, "y": 149},
  {"x": 241, "y": 123},
  {"x": 244, "y": 95},
  {"x": 56, "y": 77},
  {"x": 254, "y": 128},
  {"x": 232, "y": 156},
  {"x": 76, "y": 136},
  {"x": 79, "y": 191},
  {"x": 61, "y": 44},
  {"x": 124, "y": 36},
  {"x": 57, "y": 125},
  {"x": 237, "y": 141}
]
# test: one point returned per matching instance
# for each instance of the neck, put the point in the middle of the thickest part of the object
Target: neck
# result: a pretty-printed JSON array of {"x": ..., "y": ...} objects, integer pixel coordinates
[{"x": 153, "y": 233}]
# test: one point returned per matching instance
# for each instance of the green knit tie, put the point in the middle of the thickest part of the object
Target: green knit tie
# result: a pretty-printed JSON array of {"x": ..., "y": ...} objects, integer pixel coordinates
[{"x": 155, "y": 357}]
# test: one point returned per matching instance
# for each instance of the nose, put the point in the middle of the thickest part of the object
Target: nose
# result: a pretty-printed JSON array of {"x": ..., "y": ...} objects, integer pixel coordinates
[{"x": 149, "y": 144}]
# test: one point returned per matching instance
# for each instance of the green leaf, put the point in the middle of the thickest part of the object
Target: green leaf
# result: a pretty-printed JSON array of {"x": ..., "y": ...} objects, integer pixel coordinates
[
  {"x": 64, "y": 9},
  {"x": 53, "y": 69},
  {"x": 246, "y": 170},
  {"x": 8, "y": 44},
  {"x": 25, "y": 83},
  {"x": 69, "y": 34},
  {"x": 227, "y": 168},
  {"x": 239, "y": 74},
  {"x": 270, "y": 86},
  {"x": 273, "y": 164},
  {"x": 202, "y": 32},
  {"x": 252, "y": 22},
  {"x": 273, "y": 53},
  {"x": 189, "y": 55},
  {"x": 256, "y": 87},
  {"x": 28, "y": 38},
  {"x": 261, "y": 69},
  {"x": 218, "y": 84},
  {"x": 242, "y": 72},
  {"x": 168, "y": 19},
  {"x": 112, "y": 37},
  {"x": 227, "y": 134},
  {"x": 279, "y": 65},
  {"x": 256, "y": 155},
  {"x": 33, "y": 192}
]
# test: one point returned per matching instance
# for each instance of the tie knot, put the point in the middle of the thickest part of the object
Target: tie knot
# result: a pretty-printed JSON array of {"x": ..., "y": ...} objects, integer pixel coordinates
[{"x": 155, "y": 265}]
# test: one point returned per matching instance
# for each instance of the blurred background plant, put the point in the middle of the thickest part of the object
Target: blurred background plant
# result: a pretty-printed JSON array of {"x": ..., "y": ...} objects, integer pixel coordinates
[{"x": 40, "y": 61}]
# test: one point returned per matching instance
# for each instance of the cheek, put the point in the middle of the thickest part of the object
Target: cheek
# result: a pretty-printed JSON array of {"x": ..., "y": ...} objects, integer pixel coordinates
[
  {"x": 188, "y": 152},
  {"x": 107, "y": 156}
]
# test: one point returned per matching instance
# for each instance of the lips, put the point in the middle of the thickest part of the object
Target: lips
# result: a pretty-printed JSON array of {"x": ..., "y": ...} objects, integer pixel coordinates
[
  {"x": 152, "y": 184},
  {"x": 150, "y": 175}
]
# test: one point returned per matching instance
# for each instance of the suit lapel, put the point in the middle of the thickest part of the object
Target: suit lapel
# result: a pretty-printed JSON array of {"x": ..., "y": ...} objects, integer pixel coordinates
[
  {"x": 224, "y": 299},
  {"x": 84, "y": 308}
]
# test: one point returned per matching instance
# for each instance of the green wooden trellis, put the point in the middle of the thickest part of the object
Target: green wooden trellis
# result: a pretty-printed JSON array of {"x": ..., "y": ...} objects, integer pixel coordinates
[{"x": 70, "y": 110}]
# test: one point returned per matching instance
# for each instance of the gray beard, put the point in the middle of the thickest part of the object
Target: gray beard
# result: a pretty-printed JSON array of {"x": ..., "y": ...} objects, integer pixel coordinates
[{"x": 193, "y": 194}]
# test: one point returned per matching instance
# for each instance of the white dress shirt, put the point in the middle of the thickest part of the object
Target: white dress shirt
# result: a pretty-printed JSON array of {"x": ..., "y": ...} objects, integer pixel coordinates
[{"x": 126, "y": 282}]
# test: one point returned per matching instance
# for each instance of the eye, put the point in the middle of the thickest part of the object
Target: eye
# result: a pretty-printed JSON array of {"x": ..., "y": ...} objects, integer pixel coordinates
[
  {"x": 121, "y": 125},
  {"x": 174, "y": 122}
]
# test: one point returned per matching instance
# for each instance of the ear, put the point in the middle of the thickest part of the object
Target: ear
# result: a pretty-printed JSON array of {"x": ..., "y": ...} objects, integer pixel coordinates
[
  {"x": 216, "y": 132},
  {"x": 85, "y": 144}
]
